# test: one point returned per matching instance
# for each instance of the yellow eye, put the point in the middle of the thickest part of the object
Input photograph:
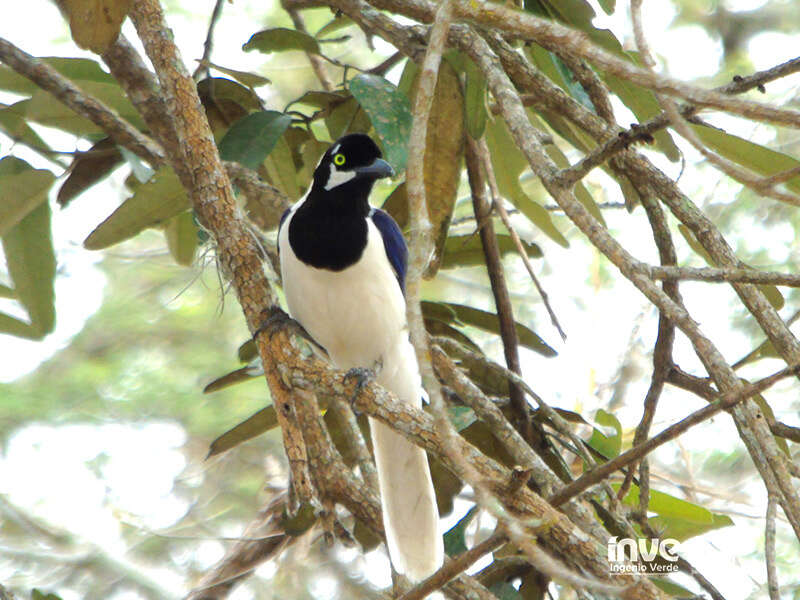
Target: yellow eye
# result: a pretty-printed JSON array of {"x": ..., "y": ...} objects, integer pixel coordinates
[{"x": 338, "y": 160}]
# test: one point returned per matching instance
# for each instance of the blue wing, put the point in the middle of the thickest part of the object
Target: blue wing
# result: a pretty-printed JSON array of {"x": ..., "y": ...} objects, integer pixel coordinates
[{"x": 394, "y": 243}]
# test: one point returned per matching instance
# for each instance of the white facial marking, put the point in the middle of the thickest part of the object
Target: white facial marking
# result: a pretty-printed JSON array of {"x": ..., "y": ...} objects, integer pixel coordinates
[{"x": 338, "y": 177}]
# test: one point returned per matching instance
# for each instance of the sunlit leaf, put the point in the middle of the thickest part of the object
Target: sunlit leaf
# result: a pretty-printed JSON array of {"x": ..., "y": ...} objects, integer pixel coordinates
[
  {"x": 509, "y": 163},
  {"x": 260, "y": 422},
  {"x": 14, "y": 125},
  {"x": 153, "y": 203},
  {"x": 467, "y": 315},
  {"x": 181, "y": 234},
  {"x": 252, "y": 80},
  {"x": 606, "y": 442},
  {"x": 389, "y": 111},
  {"x": 76, "y": 69},
  {"x": 250, "y": 140},
  {"x": 467, "y": 250},
  {"x": 755, "y": 157},
  {"x": 95, "y": 24},
  {"x": 665, "y": 505},
  {"x": 22, "y": 189},
  {"x": 280, "y": 39},
  {"x": 31, "y": 264}
]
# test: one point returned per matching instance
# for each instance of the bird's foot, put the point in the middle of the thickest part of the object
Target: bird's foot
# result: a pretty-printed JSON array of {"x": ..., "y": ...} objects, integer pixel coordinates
[
  {"x": 279, "y": 320},
  {"x": 362, "y": 376}
]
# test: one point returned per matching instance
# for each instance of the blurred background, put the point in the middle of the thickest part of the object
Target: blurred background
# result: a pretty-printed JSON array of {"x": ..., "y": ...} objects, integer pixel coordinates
[{"x": 105, "y": 490}]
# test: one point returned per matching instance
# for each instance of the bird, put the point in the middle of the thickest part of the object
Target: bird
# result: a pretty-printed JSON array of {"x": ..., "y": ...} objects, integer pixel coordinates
[{"x": 343, "y": 265}]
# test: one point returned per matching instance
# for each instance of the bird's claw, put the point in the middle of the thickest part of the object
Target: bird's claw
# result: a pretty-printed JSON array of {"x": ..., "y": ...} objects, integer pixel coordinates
[
  {"x": 362, "y": 376},
  {"x": 278, "y": 320}
]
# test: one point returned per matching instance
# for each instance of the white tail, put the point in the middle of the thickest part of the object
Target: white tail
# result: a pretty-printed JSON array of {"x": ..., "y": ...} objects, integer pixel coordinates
[{"x": 408, "y": 501}]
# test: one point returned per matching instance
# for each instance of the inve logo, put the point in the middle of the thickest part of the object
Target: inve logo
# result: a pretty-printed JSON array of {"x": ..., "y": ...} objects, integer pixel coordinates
[{"x": 643, "y": 555}]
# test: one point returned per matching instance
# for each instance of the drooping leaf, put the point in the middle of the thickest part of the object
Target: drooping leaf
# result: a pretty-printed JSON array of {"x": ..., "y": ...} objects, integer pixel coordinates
[
  {"x": 250, "y": 140},
  {"x": 509, "y": 163},
  {"x": 88, "y": 168},
  {"x": 346, "y": 117},
  {"x": 683, "y": 529},
  {"x": 95, "y": 24},
  {"x": 279, "y": 39},
  {"x": 436, "y": 327},
  {"x": 665, "y": 505},
  {"x": 14, "y": 125},
  {"x": 251, "y": 80},
  {"x": 281, "y": 169},
  {"x": 389, "y": 111},
  {"x": 75, "y": 69},
  {"x": 444, "y": 147},
  {"x": 31, "y": 263},
  {"x": 251, "y": 371},
  {"x": 181, "y": 234},
  {"x": 454, "y": 541},
  {"x": 755, "y": 157},
  {"x": 475, "y": 111},
  {"x": 644, "y": 105},
  {"x": 467, "y": 250},
  {"x": 605, "y": 442},
  {"x": 262, "y": 421},
  {"x": 22, "y": 189},
  {"x": 153, "y": 203},
  {"x": 466, "y": 315}
]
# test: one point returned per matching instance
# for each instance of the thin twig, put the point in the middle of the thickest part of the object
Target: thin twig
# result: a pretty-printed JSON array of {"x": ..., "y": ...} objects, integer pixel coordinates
[
  {"x": 499, "y": 207},
  {"x": 725, "y": 402},
  {"x": 208, "y": 45},
  {"x": 50, "y": 80},
  {"x": 453, "y": 567},
  {"x": 769, "y": 549}
]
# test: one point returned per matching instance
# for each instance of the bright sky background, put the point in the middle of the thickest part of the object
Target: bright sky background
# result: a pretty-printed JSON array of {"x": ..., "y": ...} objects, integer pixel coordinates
[{"x": 69, "y": 493}]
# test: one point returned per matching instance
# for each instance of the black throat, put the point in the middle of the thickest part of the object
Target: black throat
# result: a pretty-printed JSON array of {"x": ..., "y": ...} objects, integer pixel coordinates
[{"x": 329, "y": 230}]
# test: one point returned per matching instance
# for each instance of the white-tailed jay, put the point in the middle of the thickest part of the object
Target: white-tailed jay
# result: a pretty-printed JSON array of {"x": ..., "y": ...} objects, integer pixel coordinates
[{"x": 343, "y": 265}]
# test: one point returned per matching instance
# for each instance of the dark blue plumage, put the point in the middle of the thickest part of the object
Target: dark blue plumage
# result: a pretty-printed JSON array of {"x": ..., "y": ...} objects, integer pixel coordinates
[{"x": 394, "y": 243}]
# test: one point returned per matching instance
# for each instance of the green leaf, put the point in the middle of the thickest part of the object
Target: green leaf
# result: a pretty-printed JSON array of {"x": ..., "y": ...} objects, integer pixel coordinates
[
  {"x": 504, "y": 591},
  {"x": 672, "y": 588},
  {"x": 16, "y": 127},
  {"x": 461, "y": 416},
  {"x": 76, "y": 69},
  {"x": 22, "y": 189},
  {"x": 467, "y": 315},
  {"x": 260, "y": 422},
  {"x": 608, "y": 6},
  {"x": 389, "y": 111},
  {"x": 18, "y": 328},
  {"x": 6, "y": 292},
  {"x": 37, "y": 595},
  {"x": 45, "y": 109},
  {"x": 436, "y": 327},
  {"x": 665, "y": 505},
  {"x": 644, "y": 105},
  {"x": 152, "y": 203},
  {"x": 251, "y": 80},
  {"x": 250, "y": 140},
  {"x": 683, "y": 529},
  {"x": 281, "y": 170},
  {"x": 280, "y": 39},
  {"x": 755, "y": 157},
  {"x": 607, "y": 445},
  {"x": 475, "y": 111},
  {"x": 31, "y": 263},
  {"x": 338, "y": 22},
  {"x": 214, "y": 90},
  {"x": 454, "y": 540},
  {"x": 508, "y": 164},
  {"x": 181, "y": 234},
  {"x": 444, "y": 147},
  {"x": 467, "y": 250}
]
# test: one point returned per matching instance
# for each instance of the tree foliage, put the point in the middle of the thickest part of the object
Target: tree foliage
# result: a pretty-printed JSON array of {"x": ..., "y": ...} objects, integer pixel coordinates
[{"x": 525, "y": 153}]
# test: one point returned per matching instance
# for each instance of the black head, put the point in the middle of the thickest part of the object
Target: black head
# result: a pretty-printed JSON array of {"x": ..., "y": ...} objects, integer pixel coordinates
[{"x": 354, "y": 161}]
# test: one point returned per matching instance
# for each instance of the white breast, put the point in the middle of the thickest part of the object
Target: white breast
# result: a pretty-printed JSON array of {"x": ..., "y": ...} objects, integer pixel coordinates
[{"x": 357, "y": 314}]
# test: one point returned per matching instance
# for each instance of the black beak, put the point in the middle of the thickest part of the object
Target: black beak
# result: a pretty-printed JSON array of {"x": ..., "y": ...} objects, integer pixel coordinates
[{"x": 377, "y": 170}]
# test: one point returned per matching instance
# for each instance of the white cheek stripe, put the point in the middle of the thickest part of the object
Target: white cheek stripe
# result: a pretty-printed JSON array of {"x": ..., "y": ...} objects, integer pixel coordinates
[{"x": 338, "y": 177}]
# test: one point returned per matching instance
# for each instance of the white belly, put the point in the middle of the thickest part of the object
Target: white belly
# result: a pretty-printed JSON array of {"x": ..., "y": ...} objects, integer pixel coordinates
[{"x": 357, "y": 314}]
